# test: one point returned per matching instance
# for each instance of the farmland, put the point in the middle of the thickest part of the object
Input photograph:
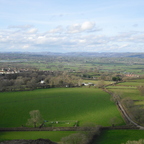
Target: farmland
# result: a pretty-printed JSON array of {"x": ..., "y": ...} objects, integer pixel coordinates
[
  {"x": 106, "y": 136},
  {"x": 76, "y": 105},
  {"x": 118, "y": 136},
  {"x": 59, "y": 104},
  {"x": 52, "y": 135},
  {"x": 128, "y": 89}
]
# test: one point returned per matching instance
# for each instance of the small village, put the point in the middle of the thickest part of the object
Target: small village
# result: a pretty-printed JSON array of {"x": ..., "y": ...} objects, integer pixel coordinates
[{"x": 11, "y": 71}]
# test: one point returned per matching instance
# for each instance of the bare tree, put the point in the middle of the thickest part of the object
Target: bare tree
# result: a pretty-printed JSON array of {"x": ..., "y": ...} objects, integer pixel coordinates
[
  {"x": 77, "y": 138},
  {"x": 100, "y": 84},
  {"x": 84, "y": 136},
  {"x": 32, "y": 83},
  {"x": 35, "y": 118}
]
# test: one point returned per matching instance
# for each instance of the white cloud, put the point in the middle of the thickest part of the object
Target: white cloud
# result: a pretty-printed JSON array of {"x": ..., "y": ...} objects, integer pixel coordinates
[
  {"x": 26, "y": 46},
  {"x": 58, "y": 29},
  {"x": 82, "y": 41},
  {"x": 87, "y": 25},
  {"x": 84, "y": 27},
  {"x": 75, "y": 28},
  {"x": 30, "y": 39},
  {"x": 32, "y": 30}
]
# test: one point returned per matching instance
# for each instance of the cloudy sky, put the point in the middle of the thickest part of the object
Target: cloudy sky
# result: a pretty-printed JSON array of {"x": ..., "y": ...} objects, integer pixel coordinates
[{"x": 72, "y": 25}]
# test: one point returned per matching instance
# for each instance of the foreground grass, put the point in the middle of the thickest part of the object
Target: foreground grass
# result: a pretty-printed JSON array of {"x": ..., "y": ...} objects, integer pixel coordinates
[
  {"x": 106, "y": 136},
  {"x": 118, "y": 136},
  {"x": 52, "y": 135},
  {"x": 58, "y": 104}
]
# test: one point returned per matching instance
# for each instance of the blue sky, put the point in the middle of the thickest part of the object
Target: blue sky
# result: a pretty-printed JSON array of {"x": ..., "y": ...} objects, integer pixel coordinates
[{"x": 72, "y": 25}]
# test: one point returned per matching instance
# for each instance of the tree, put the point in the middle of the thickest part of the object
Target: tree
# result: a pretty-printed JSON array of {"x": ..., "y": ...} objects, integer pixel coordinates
[
  {"x": 141, "y": 89},
  {"x": 32, "y": 83},
  {"x": 141, "y": 141},
  {"x": 116, "y": 78},
  {"x": 89, "y": 130},
  {"x": 100, "y": 84},
  {"x": 18, "y": 83},
  {"x": 116, "y": 96},
  {"x": 127, "y": 102},
  {"x": 35, "y": 118},
  {"x": 77, "y": 138},
  {"x": 115, "y": 120},
  {"x": 84, "y": 136}
]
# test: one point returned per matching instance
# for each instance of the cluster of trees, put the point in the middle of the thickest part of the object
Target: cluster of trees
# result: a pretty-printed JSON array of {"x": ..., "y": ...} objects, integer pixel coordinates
[
  {"x": 20, "y": 81},
  {"x": 84, "y": 136},
  {"x": 63, "y": 80},
  {"x": 32, "y": 80},
  {"x": 116, "y": 78}
]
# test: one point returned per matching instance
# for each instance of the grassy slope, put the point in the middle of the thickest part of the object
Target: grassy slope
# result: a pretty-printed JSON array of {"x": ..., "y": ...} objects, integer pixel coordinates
[
  {"x": 119, "y": 136},
  {"x": 82, "y": 104}
]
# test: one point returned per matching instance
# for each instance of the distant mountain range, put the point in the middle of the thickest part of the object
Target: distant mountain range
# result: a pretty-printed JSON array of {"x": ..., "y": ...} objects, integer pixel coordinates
[{"x": 84, "y": 54}]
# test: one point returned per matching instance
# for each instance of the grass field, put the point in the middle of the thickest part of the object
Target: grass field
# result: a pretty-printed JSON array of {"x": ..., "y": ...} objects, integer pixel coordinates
[
  {"x": 96, "y": 82},
  {"x": 103, "y": 65},
  {"x": 58, "y": 104},
  {"x": 54, "y": 136},
  {"x": 132, "y": 93},
  {"x": 119, "y": 136},
  {"x": 128, "y": 89},
  {"x": 106, "y": 136},
  {"x": 132, "y": 83}
]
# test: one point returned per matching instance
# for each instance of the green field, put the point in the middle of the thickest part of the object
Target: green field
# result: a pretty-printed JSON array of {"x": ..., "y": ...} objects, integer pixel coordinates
[
  {"x": 86, "y": 63},
  {"x": 118, "y": 136},
  {"x": 132, "y": 83},
  {"x": 128, "y": 89},
  {"x": 62, "y": 107},
  {"x": 105, "y": 137},
  {"x": 58, "y": 104},
  {"x": 96, "y": 82},
  {"x": 52, "y": 135}
]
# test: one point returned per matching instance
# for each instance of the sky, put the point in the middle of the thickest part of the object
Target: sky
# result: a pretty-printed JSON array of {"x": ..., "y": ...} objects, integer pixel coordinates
[{"x": 71, "y": 26}]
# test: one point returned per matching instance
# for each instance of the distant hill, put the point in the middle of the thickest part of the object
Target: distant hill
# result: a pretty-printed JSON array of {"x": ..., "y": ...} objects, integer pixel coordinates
[
  {"x": 93, "y": 54},
  {"x": 81, "y": 54}
]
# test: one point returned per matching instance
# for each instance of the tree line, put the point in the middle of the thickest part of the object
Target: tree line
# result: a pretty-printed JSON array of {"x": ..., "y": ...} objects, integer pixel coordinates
[{"x": 33, "y": 80}]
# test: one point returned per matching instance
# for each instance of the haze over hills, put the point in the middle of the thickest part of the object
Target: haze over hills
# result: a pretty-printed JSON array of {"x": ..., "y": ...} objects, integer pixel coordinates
[{"x": 86, "y": 54}]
